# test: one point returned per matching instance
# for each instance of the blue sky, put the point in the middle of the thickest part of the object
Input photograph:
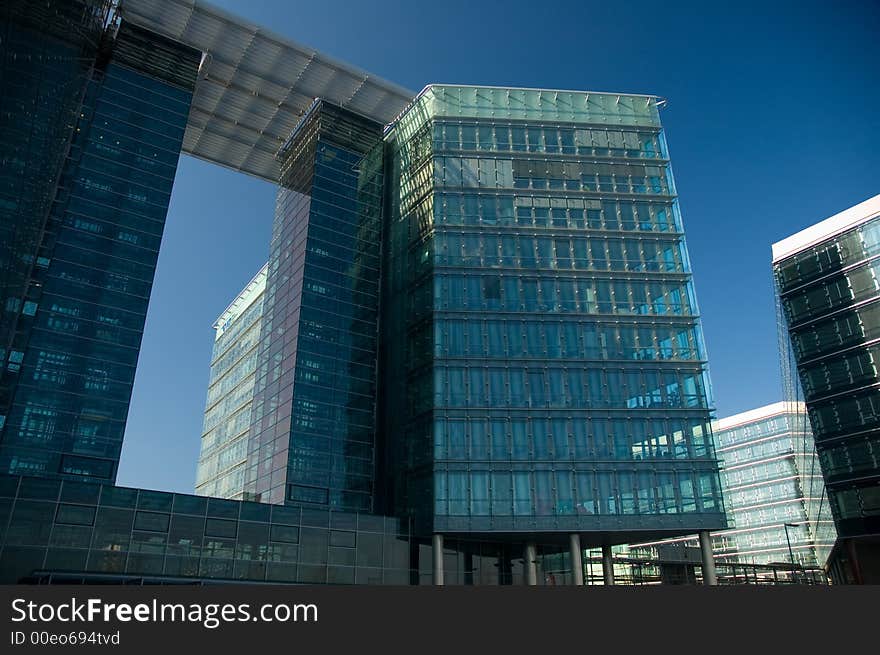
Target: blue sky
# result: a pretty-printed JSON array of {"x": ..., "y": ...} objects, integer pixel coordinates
[{"x": 772, "y": 121}]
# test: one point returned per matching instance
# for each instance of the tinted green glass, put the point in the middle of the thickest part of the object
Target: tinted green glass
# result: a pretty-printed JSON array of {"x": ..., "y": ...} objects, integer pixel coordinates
[{"x": 559, "y": 304}]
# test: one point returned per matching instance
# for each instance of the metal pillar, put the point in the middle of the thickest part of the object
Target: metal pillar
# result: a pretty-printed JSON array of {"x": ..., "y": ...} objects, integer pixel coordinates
[
  {"x": 577, "y": 559},
  {"x": 607, "y": 566},
  {"x": 531, "y": 555},
  {"x": 438, "y": 559},
  {"x": 709, "y": 575}
]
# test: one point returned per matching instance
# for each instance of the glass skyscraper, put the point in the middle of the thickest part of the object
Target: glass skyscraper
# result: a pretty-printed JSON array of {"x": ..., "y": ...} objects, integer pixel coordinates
[
  {"x": 544, "y": 369},
  {"x": 829, "y": 306},
  {"x": 45, "y": 68},
  {"x": 223, "y": 458},
  {"x": 86, "y": 237},
  {"x": 313, "y": 433},
  {"x": 506, "y": 299}
]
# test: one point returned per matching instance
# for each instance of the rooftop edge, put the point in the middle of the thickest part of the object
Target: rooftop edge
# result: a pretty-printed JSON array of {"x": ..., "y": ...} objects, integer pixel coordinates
[{"x": 823, "y": 230}]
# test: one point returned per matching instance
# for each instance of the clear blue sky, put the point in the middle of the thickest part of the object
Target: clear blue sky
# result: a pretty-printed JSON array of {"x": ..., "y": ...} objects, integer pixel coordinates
[{"x": 773, "y": 119}]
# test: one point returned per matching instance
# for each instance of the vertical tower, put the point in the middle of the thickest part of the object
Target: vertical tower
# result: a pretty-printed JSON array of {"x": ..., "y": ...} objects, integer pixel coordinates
[
  {"x": 85, "y": 266},
  {"x": 544, "y": 365},
  {"x": 313, "y": 430},
  {"x": 771, "y": 481},
  {"x": 223, "y": 458},
  {"x": 47, "y": 54},
  {"x": 826, "y": 279}
]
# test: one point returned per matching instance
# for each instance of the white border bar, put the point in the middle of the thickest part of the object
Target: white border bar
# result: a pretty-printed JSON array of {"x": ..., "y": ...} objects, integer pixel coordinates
[
  {"x": 758, "y": 414},
  {"x": 837, "y": 224}
]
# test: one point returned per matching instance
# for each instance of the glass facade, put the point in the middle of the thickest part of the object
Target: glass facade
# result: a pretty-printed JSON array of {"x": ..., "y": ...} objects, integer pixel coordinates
[
  {"x": 829, "y": 305},
  {"x": 74, "y": 531},
  {"x": 545, "y": 368},
  {"x": 223, "y": 458},
  {"x": 773, "y": 490},
  {"x": 44, "y": 68},
  {"x": 69, "y": 372},
  {"x": 101, "y": 530},
  {"x": 313, "y": 434}
]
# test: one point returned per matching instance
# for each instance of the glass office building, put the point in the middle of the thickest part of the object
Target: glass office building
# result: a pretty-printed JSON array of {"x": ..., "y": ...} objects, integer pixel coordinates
[
  {"x": 829, "y": 307},
  {"x": 223, "y": 458},
  {"x": 73, "y": 337},
  {"x": 44, "y": 65},
  {"x": 544, "y": 366},
  {"x": 773, "y": 491},
  {"x": 313, "y": 435}
]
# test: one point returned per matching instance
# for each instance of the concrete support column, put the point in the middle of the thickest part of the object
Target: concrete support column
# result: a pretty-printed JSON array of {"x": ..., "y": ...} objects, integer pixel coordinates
[
  {"x": 438, "y": 559},
  {"x": 577, "y": 559},
  {"x": 709, "y": 575},
  {"x": 530, "y": 556},
  {"x": 607, "y": 565}
]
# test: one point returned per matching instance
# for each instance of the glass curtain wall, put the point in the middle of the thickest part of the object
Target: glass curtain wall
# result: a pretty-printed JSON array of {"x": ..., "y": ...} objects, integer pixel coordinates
[
  {"x": 546, "y": 368},
  {"x": 75, "y": 358},
  {"x": 828, "y": 298},
  {"x": 98, "y": 532},
  {"x": 770, "y": 481},
  {"x": 222, "y": 461},
  {"x": 773, "y": 493},
  {"x": 313, "y": 435},
  {"x": 47, "y": 52}
]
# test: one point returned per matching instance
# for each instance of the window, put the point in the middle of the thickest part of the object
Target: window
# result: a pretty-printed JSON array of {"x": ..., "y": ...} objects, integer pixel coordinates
[
  {"x": 220, "y": 528},
  {"x": 284, "y": 533},
  {"x": 151, "y": 521}
]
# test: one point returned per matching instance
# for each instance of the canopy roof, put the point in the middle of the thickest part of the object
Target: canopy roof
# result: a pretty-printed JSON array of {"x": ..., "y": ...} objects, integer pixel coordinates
[{"x": 255, "y": 85}]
